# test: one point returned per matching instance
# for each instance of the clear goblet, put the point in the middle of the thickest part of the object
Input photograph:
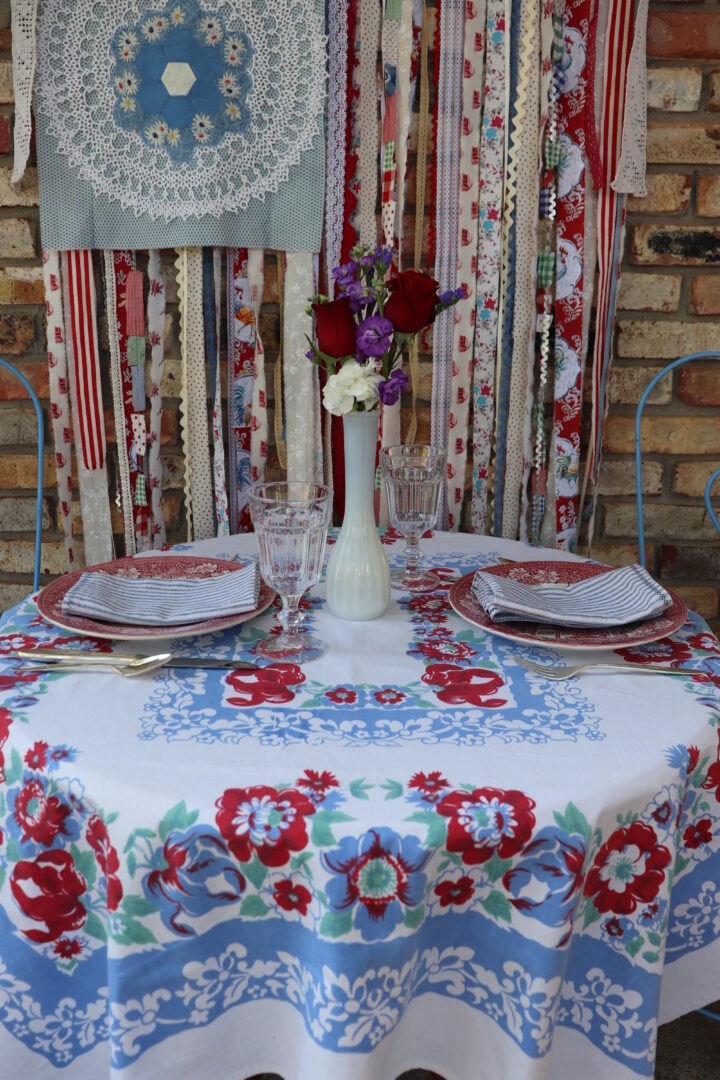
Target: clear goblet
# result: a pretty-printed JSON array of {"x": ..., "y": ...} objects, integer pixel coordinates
[
  {"x": 291, "y": 521},
  {"x": 413, "y": 475}
]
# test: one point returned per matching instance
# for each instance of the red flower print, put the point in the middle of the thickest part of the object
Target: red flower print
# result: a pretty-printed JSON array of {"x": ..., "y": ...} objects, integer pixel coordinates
[
  {"x": 389, "y": 696},
  {"x": 433, "y": 607},
  {"x": 465, "y": 686},
  {"x": 264, "y": 820},
  {"x": 6, "y": 720},
  {"x": 341, "y": 695},
  {"x": 390, "y": 536},
  {"x": 67, "y": 948},
  {"x": 455, "y": 892},
  {"x": 13, "y": 679},
  {"x": 292, "y": 897},
  {"x": 106, "y": 858},
  {"x": 628, "y": 869},
  {"x": 11, "y": 643},
  {"x": 705, "y": 641},
  {"x": 666, "y": 651},
  {"x": 36, "y": 757},
  {"x": 430, "y": 784},
  {"x": 662, "y": 814},
  {"x": 699, "y": 833},
  {"x": 487, "y": 820},
  {"x": 41, "y": 817},
  {"x": 319, "y": 783},
  {"x": 613, "y": 928},
  {"x": 693, "y": 758},
  {"x": 444, "y": 648},
  {"x": 53, "y": 896},
  {"x": 272, "y": 684},
  {"x": 712, "y": 780}
]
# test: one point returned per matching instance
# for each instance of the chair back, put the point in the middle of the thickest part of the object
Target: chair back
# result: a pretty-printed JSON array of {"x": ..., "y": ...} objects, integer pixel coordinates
[
  {"x": 708, "y": 504},
  {"x": 41, "y": 451},
  {"x": 638, "y": 448}
]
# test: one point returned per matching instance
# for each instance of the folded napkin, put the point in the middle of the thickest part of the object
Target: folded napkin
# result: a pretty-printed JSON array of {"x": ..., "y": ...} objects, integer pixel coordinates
[
  {"x": 612, "y": 599},
  {"x": 154, "y": 601}
]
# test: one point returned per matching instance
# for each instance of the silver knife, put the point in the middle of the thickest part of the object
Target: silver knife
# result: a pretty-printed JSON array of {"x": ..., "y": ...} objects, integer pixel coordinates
[{"x": 78, "y": 656}]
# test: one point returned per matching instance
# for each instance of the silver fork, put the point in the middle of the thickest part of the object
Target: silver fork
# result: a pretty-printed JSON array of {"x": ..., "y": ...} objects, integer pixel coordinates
[
  {"x": 138, "y": 666},
  {"x": 573, "y": 669}
]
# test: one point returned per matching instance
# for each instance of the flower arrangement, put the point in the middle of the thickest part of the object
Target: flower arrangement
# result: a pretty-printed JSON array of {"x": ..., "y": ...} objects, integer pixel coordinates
[{"x": 361, "y": 335}]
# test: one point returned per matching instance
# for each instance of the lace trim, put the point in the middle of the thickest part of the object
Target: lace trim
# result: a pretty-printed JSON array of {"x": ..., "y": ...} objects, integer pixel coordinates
[
  {"x": 302, "y": 404},
  {"x": 156, "y": 331},
  {"x": 24, "y": 58},
  {"x": 336, "y": 128},
  {"x": 194, "y": 425},
  {"x": 630, "y": 175},
  {"x": 259, "y": 426},
  {"x": 76, "y": 94},
  {"x": 367, "y": 121}
]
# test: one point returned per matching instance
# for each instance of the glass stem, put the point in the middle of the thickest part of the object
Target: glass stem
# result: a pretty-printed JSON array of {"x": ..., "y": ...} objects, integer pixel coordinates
[
  {"x": 289, "y": 616},
  {"x": 412, "y": 556}
]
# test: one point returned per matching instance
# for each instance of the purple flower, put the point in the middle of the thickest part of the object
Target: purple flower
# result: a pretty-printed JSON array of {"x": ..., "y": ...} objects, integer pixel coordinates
[
  {"x": 357, "y": 294},
  {"x": 373, "y": 336},
  {"x": 381, "y": 255},
  {"x": 345, "y": 274},
  {"x": 390, "y": 389}
]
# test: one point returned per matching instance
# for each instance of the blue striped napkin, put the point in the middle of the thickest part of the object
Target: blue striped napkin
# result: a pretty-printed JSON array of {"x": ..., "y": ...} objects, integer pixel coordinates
[
  {"x": 613, "y": 599},
  {"x": 153, "y": 601}
]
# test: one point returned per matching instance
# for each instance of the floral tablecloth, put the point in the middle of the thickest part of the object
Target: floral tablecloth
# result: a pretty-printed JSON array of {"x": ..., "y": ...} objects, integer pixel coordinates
[{"x": 410, "y": 853}]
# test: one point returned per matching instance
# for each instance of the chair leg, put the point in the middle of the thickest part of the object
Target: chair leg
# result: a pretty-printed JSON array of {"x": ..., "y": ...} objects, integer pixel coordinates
[{"x": 710, "y": 1014}]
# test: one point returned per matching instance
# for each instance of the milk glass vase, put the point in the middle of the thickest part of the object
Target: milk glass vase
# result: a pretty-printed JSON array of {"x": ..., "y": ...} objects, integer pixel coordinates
[{"x": 358, "y": 575}]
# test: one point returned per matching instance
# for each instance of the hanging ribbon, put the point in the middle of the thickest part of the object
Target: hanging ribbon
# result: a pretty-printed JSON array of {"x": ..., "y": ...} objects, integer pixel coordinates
[
  {"x": 630, "y": 174},
  {"x": 136, "y": 359},
  {"x": 80, "y": 310},
  {"x": 367, "y": 131},
  {"x": 302, "y": 400},
  {"x": 492, "y": 157},
  {"x": 336, "y": 133},
  {"x": 259, "y": 421},
  {"x": 278, "y": 420},
  {"x": 467, "y": 244},
  {"x": 446, "y": 217},
  {"x": 212, "y": 354},
  {"x": 59, "y": 396},
  {"x": 23, "y": 16},
  {"x": 156, "y": 332},
  {"x": 193, "y": 405},
  {"x": 241, "y": 363},
  {"x": 121, "y": 389}
]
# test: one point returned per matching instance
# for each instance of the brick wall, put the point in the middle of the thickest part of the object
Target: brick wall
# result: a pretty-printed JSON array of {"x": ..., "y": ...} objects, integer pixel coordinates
[{"x": 669, "y": 304}]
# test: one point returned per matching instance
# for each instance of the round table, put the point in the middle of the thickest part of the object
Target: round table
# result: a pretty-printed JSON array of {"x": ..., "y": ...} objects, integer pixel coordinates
[{"x": 411, "y": 853}]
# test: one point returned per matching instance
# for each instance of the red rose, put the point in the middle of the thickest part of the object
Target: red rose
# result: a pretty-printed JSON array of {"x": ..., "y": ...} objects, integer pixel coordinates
[
  {"x": 264, "y": 820},
  {"x": 273, "y": 683},
  {"x": 335, "y": 328},
  {"x": 487, "y": 820},
  {"x": 465, "y": 686},
  {"x": 628, "y": 869},
  {"x": 412, "y": 302},
  {"x": 54, "y": 894},
  {"x": 41, "y": 817}
]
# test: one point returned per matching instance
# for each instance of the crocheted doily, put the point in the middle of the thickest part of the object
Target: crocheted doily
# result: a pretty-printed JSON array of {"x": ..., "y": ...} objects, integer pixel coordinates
[{"x": 164, "y": 143}]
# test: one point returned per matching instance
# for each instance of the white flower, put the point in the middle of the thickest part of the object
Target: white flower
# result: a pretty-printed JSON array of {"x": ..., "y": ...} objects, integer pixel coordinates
[
  {"x": 155, "y": 133},
  {"x": 173, "y": 136},
  {"x": 353, "y": 382},
  {"x": 127, "y": 104},
  {"x": 228, "y": 84},
  {"x": 212, "y": 30},
  {"x": 152, "y": 29},
  {"x": 127, "y": 45},
  {"x": 177, "y": 16},
  {"x": 126, "y": 83},
  {"x": 234, "y": 49},
  {"x": 232, "y": 112},
  {"x": 201, "y": 126}
]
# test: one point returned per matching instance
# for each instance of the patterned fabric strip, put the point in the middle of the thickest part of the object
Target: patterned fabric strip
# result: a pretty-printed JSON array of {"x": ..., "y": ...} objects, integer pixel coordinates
[
  {"x": 83, "y": 325},
  {"x": 523, "y": 312},
  {"x": 79, "y": 309},
  {"x": 408, "y": 55},
  {"x": 434, "y": 121},
  {"x": 570, "y": 268},
  {"x": 630, "y": 174},
  {"x": 23, "y": 14},
  {"x": 156, "y": 332},
  {"x": 259, "y": 423},
  {"x": 302, "y": 400},
  {"x": 467, "y": 247},
  {"x": 122, "y": 393},
  {"x": 193, "y": 420},
  {"x": 366, "y": 222},
  {"x": 241, "y": 363},
  {"x": 135, "y": 324},
  {"x": 336, "y": 133},
  {"x": 446, "y": 217},
  {"x": 222, "y": 514},
  {"x": 352, "y": 96},
  {"x": 59, "y": 396},
  {"x": 492, "y": 157}
]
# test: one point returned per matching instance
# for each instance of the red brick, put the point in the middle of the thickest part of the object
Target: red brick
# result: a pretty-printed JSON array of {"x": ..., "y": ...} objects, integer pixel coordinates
[
  {"x": 5, "y": 135},
  {"x": 699, "y": 385},
  {"x": 705, "y": 295},
  {"x": 700, "y": 598},
  {"x": 663, "y": 434},
  {"x": 688, "y": 563},
  {"x": 708, "y": 196},
  {"x": 714, "y": 94},
  {"x": 690, "y": 477},
  {"x": 13, "y": 390},
  {"x": 667, "y": 193},
  {"x": 16, "y": 333},
  {"x": 684, "y": 35},
  {"x": 675, "y": 245}
]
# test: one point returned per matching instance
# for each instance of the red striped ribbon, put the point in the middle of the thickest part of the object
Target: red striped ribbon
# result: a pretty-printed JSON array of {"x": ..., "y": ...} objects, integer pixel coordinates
[{"x": 83, "y": 324}]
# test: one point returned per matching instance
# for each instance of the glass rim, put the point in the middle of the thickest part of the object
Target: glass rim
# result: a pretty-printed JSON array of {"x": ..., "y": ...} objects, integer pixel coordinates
[
  {"x": 322, "y": 491},
  {"x": 407, "y": 448}
]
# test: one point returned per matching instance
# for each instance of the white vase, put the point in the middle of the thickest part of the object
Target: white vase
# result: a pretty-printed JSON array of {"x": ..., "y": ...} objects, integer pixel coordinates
[{"x": 358, "y": 576}]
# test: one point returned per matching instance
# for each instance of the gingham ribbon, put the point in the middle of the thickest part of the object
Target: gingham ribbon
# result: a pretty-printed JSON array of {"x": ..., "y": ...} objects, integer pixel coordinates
[{"x": 60, "y": 417}]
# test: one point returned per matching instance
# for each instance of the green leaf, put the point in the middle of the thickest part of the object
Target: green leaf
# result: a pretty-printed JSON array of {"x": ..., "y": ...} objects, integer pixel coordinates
[
  {"x": 414, "y": 916},
  {"x": 436, "y": 826},
  {"x": 590, "y": 915},
  {"x": 498, "y": 905},
  {"x": 85, "y": 864},
  {"x": 134, "y": 933},
  {"x": 495, "y": 867},
  {"x": 574, "y": 821},
  {"x": 255, "y": 872},
  {"x": 651, "y": 957},
  {"x": 131, "y": 864},
  {"x": 321, "y": 835},
  {"x": 393, "y": 788},
  {"x": 2, "y": 876},
  {"x": 359, "y": 789},
  {"x": 137, "y": 905},
  {"x": 633, "y": 947},
  {"x": 111, "y": 817},
  {"x": 12, "y": 849},
  {"x": 95, "y": 927},
  {"x": 14, "y": 772},
  {"x": 333, "y": 815},
  {"x": 336, "y": 923},
  {"x": 253, "y": 907},
  {"x": 299, "y": 860},
  {"x": 680, "y": 863},
  {"x": 176, "y": 818},
  {"x": 147, "y": 833},
  {"x": 653, "y": 938}
]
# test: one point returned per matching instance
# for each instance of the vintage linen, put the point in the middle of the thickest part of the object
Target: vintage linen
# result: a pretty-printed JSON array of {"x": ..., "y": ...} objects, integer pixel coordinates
[
  {"x": 121, "y": 393},
  {"x": 405, "y": 854},
  {"x": 187, "y": 123},
  {"x": 156, "y": 332},
  {"x": 259, "y": 420},
  {"x": 302, "y": 394}
]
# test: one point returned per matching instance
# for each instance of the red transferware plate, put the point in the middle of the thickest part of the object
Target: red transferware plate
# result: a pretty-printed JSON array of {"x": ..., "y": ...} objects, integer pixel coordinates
[
  {"x": 562, "y": 573},
  {"x": 49, "y": 599}
]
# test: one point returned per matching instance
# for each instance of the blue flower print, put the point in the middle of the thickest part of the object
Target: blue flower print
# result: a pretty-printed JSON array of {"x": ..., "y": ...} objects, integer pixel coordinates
[
  {"x": 546, "y": 884},
  {"x": 378, "y": 877}
]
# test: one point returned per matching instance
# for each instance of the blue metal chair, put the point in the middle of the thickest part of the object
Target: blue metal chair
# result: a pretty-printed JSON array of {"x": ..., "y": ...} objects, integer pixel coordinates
[
  {"x": 638, "y": 449},
  {"x": 41, "y": 452}
]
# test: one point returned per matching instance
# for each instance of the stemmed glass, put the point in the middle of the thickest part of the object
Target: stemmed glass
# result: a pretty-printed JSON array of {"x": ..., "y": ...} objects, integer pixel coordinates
[
  {"x": 413, "y": 475},
  {"x": 291, "y": 521}
]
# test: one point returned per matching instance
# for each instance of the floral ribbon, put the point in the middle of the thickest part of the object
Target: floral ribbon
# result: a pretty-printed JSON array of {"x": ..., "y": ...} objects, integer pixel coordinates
[
  {"x": 335, "y": 152},
  {"x": 367, "y": 126},
  {"x": 447, "y": 153},
  {"x": 156, "y": 332},
  {"x": 121, "y": 391},
  {"x": 212, "y": 281},
  {"x": 81, "y": 339},
  {"x": 492, "y": 157},
  {"x": 302, "y": 397},
  {"x": 60, "y": 417},
  {"x": 467, "y": 246},
  {"x": 241, "y": 364},
  {"x": 259, "y": 421}
]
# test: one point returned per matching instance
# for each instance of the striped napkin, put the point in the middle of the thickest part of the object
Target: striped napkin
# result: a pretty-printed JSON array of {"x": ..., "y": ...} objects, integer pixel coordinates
[
  {"x": 152, "y": 601},
  {"x": 613, "y": 599}
]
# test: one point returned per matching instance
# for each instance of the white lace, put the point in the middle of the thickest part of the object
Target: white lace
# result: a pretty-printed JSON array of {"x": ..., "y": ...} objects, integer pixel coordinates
[
  {"x": 336, "y": 131},
  {"x": 24, "y": 56},
  {"x": 75, "y": 92},
  {"x": 630, "y": 175}
]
